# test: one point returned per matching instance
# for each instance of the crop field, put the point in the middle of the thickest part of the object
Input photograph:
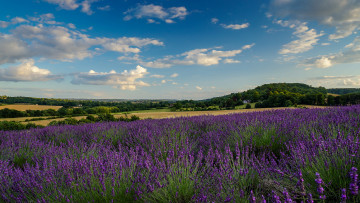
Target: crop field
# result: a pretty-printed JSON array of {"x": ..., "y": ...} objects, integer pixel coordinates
[
  {"x": 24, "y": 107},
  {"x": 168, "y": 114},
  {"x": 283, "y": 155}
]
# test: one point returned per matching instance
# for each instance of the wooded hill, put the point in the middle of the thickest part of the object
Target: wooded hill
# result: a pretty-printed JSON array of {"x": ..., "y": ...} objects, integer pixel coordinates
[{"x": 342, "y": 91}]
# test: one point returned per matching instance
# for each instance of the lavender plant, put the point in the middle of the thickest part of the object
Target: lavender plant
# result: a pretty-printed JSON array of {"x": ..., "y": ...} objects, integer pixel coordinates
[{"x": 313, "y": 153}]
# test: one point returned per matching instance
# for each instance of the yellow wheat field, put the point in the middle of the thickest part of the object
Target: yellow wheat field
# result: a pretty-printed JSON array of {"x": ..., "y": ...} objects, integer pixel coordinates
[{"x": 24, "y": 107}]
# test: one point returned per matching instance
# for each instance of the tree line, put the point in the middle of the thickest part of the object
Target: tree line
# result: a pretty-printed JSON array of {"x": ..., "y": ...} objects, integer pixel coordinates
[{"x": 122, "y": 105}]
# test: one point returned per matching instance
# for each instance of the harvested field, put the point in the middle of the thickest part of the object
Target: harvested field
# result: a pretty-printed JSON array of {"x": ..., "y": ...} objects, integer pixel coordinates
[
  {"x": 160, "y": 115},
  {"x": 24, "y": 107}
]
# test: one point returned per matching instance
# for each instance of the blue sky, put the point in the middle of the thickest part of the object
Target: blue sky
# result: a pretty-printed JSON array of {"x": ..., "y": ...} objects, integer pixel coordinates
[{"x": 174, "y": 49}]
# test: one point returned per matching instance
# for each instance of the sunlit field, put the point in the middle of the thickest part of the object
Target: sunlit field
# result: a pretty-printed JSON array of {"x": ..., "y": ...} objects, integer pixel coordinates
[
  {"x": 279, "y": 155},
  {"x": 24, "y": 107}
]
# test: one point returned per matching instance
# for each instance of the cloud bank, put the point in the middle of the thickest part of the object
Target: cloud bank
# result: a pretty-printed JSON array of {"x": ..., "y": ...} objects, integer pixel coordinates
[
  {"x": 151, "y": 12},
  {"x": 344, "y": 15},
  {"x": 126, "y": 80}
]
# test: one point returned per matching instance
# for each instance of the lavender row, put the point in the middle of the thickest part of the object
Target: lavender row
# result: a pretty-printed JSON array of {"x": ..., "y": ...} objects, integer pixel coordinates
[{"x": 309, "y": 155}]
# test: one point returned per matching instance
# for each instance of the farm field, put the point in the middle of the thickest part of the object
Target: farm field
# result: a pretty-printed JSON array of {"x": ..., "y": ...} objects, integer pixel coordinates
[
  {"x": 280, "y": 155},
  {"x": 154, "y": 114},
  {"x": 169, "y": 114},
  {"x": 24, "y": 107}
]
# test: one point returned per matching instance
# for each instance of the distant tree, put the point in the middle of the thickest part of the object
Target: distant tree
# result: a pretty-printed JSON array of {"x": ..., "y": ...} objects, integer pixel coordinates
[
  {"x": 248, "y": 106},
  {"x": 330, "y": 100},
  {"x": 288, "y": 103}
]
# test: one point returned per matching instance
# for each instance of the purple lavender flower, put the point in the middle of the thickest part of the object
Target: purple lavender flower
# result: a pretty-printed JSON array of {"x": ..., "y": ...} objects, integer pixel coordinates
[
  {"x": 252, "y": 197},
  {"x": 301, "y": 184},
  {"x": 263, "y": 199},
  {"x": 354, "y": 188},
  {"x": 276, "y": 198},
  {"x": 343, "y": 195},
  {"x": 320, "y": 189},
  {"x": 310, "y": 198},
  {"x": 287, "y": 196}
]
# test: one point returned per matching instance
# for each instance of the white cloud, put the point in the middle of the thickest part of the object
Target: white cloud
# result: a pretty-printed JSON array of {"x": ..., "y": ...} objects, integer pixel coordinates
[
  {"x": 307, "y": 38},
  {"x": 14, "y": 21},
  {"x": 204, "y": 57},
  {"x": 65, "y": 4},
  {"x": 163, "y": 81},
  {"x": 336, "y": 81},
  {"x": 157, "y": 76},
  {"x": 209, "y": 57},
  {"x": 214, "y": 20},
  {"x": 169, "y": 21},
  {"x": 350, "y": 55},
  {"x": 231, "y": 61},
  {"x": 151, "y": 21},
  {"x": 323, "y": 62},
  {"x": 248, "y": 46},
  {"x": 86, "y": 7},
  {"x": 127, "y": 80},
  {"x": 128, "y": 44},
  {"x": 72, "y": 26},
  {"x": 61, "y": 43},
  {"x": 344, "y": 15},
  {"x": 26, "y": 72},
  {"x": 74, "y": 4},
  {"x": 199, "y": 88},
  {"x": 236, "y": 26},
  {"x": 174, "y": 75},
  {"x": 104, "y": 8},
  {"x": 152, "y": 11}
]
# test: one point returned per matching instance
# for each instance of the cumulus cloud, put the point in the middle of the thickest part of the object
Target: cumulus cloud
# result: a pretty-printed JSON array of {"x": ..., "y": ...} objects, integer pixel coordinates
[
  {"x": 336, "y": 81},
  {"x": 26, "y": 72},
  {"x": 236, "y": 26},
  {"x": 350, "y": 55},
  {"x": 61, "y": 43},
  {"x": 209, "y": 57},
  {"x": 74, "y": 4},
  {"x": 344, "y": 15},
  {"x": 127, "y": 80},
  {"x": 198, "y": 88},
  {"x": 152, "y": 12},
  {"x": 306, "y": 38},
  {"x": 204, "y": 57}
]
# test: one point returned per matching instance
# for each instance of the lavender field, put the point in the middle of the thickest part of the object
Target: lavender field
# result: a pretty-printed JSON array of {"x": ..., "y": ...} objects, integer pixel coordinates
[{"x": 309, "y": 155}]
